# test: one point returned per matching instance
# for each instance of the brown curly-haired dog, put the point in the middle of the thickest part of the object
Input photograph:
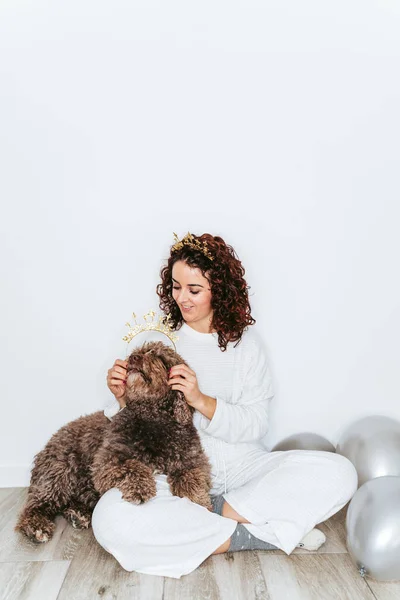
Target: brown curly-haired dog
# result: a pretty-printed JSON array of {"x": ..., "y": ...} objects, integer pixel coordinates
[{"x": 154, "y": 433}]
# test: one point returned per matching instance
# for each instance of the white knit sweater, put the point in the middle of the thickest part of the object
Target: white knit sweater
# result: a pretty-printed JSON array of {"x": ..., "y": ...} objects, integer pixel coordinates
[{"x": 241, "y": 382}]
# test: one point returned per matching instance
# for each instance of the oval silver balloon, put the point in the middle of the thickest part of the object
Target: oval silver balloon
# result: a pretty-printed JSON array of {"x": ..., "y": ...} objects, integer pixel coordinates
[
  {"x": 372, "y": 444},
  {"x": 373, "y": 528},
  {"x": 304, "y": 441}
]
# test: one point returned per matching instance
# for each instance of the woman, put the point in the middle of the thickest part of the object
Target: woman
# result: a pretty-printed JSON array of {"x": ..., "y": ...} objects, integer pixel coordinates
[{"x": 261, "y": 499}]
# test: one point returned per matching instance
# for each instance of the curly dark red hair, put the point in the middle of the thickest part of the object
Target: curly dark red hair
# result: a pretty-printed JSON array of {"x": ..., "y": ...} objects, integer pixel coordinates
[{"x": 229, "y": 291}]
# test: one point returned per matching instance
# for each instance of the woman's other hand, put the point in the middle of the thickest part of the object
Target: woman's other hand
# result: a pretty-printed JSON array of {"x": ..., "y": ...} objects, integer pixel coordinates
[
  {"x": 182, "y": 378},
  {"x": 116, "y": 380}
]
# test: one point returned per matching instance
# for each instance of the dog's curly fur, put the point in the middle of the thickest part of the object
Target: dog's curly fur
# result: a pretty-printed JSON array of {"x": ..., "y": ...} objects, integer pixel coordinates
[{"x": 154, "y": 433}]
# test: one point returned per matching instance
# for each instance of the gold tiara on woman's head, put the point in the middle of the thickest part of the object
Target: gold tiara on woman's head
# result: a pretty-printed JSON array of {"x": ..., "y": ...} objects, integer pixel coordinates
[
  {"x": 151, "y": 325},
  {"x": 190, "y": 240}
]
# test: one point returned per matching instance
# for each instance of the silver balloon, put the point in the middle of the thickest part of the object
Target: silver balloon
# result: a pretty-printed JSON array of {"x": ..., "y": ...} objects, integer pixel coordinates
[
  {"x": 304, "y": 441},
  {"x": 372, "y": 444},
  {"x": 373, "y": 528}
]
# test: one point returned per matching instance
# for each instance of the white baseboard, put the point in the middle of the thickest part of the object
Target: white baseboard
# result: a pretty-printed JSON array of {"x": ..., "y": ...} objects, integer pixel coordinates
[{"x": 15, "y": 475}]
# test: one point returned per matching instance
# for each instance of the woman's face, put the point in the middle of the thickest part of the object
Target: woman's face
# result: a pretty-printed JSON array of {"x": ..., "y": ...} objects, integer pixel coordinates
[{"x": 191, "y": 289}]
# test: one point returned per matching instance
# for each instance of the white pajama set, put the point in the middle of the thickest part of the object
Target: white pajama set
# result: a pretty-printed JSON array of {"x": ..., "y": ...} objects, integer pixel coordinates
[{"x": 282, "y": 494}]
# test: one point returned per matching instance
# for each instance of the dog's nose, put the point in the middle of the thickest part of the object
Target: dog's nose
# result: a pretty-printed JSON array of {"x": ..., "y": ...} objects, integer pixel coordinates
[{"x": 135, "y": 362}]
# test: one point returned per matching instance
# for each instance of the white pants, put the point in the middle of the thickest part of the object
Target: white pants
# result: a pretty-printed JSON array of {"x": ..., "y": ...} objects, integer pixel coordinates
[{"x": 282, "y": 494}]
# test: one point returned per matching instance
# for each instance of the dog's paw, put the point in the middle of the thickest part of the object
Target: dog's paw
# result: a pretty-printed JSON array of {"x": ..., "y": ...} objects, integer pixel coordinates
[
  {"x": 204, "y": 500},
  {"x": 38, "y": 529},
  {"x": 192, "y": 485},
  {"x": 77, "y": 519},
  {"x": 208, "y": 505},
  {"x": 42, "y": 536},
  {"x": 137, "y": 492}
]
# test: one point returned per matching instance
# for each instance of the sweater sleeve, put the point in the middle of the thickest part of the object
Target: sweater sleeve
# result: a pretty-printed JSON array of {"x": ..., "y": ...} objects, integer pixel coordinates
[
  {"x": 248, "y": 420},
  {"x": 112, "y": 409}
]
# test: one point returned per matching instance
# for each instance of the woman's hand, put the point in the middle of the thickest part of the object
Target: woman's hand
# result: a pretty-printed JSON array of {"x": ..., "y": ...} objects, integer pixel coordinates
[
  {"x": 116, "y": 380},
  {"x": 184, "y": 379}
]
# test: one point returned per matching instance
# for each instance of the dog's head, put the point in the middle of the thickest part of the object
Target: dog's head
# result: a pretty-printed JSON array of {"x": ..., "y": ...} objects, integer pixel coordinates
[{"x": 147, "y": 377}]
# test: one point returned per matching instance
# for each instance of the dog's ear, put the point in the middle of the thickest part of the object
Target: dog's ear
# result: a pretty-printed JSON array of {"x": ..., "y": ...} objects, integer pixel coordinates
[{"x": 183, "y": 413}]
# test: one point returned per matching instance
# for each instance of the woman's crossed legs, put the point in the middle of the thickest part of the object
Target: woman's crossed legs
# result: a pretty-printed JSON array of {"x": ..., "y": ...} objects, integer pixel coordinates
[{"x": 171, "y": 536}]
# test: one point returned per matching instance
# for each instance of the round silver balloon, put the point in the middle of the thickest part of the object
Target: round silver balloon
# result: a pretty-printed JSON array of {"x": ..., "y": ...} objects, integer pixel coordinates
[
  {"x": 372, "y": 444},
  {"x": 304, "y": 441},
  {"x": 373, "y": 528}
]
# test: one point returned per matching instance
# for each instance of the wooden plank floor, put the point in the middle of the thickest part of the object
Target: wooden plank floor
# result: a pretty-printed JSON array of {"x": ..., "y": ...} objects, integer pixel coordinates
[{"x": 73, "y": 566}]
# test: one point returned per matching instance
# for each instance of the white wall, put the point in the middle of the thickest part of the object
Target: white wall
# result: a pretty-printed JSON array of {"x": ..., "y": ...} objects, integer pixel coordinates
[{"x": 273, "y": 124}]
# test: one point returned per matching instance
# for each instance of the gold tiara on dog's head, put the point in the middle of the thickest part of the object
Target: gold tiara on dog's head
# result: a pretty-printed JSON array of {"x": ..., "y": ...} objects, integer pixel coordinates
[{"x": 151, "y": 325}]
